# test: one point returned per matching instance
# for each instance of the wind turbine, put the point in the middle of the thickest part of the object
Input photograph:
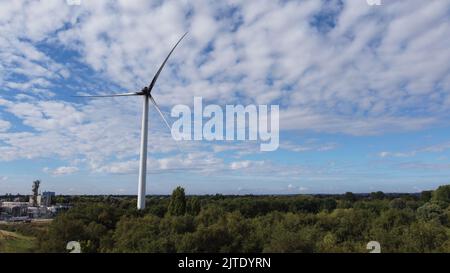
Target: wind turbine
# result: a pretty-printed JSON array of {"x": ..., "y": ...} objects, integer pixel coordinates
[{"x": 146, "y": 94}]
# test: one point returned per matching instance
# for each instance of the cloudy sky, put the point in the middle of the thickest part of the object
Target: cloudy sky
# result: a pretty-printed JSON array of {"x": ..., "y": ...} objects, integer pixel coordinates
[{"x": 363, "y": 93}]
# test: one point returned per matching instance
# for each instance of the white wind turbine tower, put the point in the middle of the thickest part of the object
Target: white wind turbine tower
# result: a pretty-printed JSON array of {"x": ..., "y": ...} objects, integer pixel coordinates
[{"x": 146, "y": 94}]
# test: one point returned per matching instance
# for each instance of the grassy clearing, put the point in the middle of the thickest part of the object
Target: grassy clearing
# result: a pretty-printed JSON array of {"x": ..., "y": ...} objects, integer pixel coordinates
[{"x": 14, "y": 242}]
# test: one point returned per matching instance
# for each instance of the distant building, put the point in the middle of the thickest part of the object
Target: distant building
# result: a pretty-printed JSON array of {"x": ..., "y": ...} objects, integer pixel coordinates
[
  {"x": 14, "y": 204},
  {"x": 15, "y": 209},
  {"x": 58, "y": 208},
  {"x": 38, "y": 206},
  {"x": 37, "y": 212},
  {"x": 46, "y": 198}
]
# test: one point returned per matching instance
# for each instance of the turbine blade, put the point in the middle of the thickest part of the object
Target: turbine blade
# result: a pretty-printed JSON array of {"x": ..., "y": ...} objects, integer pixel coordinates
[
  {"x": 160, "y": 113},
  {"x": 165, "y": 121},
  {"x": 111, "y": 95},
  {"x": 150, "y": 87}
]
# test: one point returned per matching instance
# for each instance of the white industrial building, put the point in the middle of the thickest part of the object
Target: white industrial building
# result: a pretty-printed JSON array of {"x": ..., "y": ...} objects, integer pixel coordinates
[{"x": 44, "y": 208}]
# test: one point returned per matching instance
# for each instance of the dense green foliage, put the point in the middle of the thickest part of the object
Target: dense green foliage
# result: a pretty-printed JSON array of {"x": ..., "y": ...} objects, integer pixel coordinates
[
  {"x": 177, "y": 205},
  {"x": 300, "y": 223}
]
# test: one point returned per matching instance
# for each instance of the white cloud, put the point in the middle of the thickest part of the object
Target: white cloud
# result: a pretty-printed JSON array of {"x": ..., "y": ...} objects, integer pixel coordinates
[
  {"x": 360, "y": 85},
  {"x": 294, "y": 119},
  {"x": 120, "y": 167},
  {"x": 309, "y": 145},
  {"x": 302, "y": 189},
  {"x": 291, "y": 188},
  {"x": 240, "y": 165},
  {"x": 424, "y": 166},
  {"x": 22, "y": 24},
  {"x": 368, "y": 71},
  {"x": 200, "y": 162},
  {"x": 397, "y": 154},
  {"x": 435, "y": 148},
  {"x": 4, "y": 125},
  {"x": 63, "y": 170}
]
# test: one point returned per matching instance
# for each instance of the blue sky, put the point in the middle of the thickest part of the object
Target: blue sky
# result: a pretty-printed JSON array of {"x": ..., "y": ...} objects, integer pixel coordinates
[{"x": 363, "y": 94}]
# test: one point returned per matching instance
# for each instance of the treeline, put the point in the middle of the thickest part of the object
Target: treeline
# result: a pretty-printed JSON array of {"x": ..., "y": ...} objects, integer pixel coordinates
[{"x": 341, "y": 223}]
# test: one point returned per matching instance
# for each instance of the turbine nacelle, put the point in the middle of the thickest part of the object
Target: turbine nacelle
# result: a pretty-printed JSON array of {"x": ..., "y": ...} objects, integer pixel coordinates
[{"x": 145, "y": 91}]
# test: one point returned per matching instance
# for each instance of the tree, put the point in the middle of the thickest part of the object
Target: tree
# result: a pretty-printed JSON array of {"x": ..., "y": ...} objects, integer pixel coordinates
[
  {"x": 425, "y": 196},
  {"x": 425, "y": 237},
  {"x": 442, "y": 194},
  {"x": 193, "y": 206},
  {"x": 62, "y": 230},
  {"x": 431, "y": 211},
  {"x": 210, "y": 215},
  {"x": 138, "y": 234},
  {"x": 397, "y": 203},
  {"x": 379, "y": 195},
  {"x": 329, "y": 204},
  {"x": 284, "y": 241},
  {"x": 251, "y": 224},
  {"x": 349, "y": 196},
  {"x": 177, "y": 205}
]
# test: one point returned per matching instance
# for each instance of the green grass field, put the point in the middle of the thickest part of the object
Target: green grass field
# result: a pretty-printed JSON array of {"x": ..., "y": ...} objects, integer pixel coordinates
[{"x": 14, "y": 242}]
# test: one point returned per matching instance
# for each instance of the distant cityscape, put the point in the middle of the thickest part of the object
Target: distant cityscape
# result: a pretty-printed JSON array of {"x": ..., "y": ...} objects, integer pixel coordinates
[{"x": 32, "y": 207}]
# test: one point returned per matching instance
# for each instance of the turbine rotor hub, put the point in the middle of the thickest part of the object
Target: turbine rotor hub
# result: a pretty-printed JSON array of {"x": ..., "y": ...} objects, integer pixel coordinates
[{"x": 145, "y": 91}]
